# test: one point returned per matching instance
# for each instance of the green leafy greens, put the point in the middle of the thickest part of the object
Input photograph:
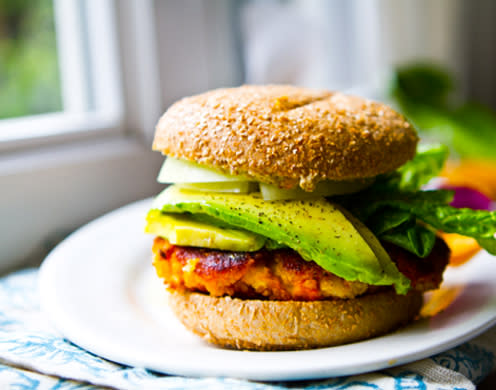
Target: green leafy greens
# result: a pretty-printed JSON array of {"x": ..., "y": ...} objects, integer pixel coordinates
[
  {"x": 427, "y": 165},
  {"x": 397, "y": 211},
  {"x": 400, "y": 228}
]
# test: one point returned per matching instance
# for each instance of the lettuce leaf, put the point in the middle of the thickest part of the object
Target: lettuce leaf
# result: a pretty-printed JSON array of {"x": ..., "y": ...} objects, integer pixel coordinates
[
  {"x": 400, "y": 228},
  {"x": 364, "y": 204},
  {"x": 417, "y": 172},
  {"x": 431, "y": 208},
  {"x": 390, "y": 218},
  {"x": 416, "y": 239},
  {"x": 426, "y": 165},
  {"x": 467, "y": 222}
]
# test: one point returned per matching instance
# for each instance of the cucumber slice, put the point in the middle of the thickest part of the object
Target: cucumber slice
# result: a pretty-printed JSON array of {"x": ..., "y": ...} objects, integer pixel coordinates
[
  {"x": 195, "y": 177},
  {"x": 181, "y": 171},
  {"x": 235, "y": 187},
  {"x": 323, "y": 188}
]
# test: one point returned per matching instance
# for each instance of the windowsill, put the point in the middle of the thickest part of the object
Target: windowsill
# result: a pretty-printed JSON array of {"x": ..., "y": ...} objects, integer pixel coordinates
[
  {"x": 57, "y": 127},
  {"x": 48, "y": 192}
]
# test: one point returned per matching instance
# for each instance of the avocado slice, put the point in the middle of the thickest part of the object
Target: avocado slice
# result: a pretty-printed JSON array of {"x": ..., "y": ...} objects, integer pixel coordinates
[
  {"x": 183, "y": 230},
  {"x": 316, "y": 229}
]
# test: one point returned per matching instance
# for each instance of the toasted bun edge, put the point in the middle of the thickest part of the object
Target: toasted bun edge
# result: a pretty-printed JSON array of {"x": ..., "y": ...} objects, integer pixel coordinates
[{"x": 292, "y": 325}]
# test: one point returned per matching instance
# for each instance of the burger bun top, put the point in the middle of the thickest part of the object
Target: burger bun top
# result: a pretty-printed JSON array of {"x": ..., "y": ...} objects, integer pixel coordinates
[{"x": 286, "y": 136}]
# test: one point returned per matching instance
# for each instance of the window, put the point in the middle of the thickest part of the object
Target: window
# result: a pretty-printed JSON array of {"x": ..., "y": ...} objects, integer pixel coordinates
[
  {"x": 29, "y": 72},
  {"x": 61, "y": 70}
]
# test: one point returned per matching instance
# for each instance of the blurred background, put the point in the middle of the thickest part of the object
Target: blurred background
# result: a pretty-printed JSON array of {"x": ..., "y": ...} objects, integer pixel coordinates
[{"x": 83, "y": 82}]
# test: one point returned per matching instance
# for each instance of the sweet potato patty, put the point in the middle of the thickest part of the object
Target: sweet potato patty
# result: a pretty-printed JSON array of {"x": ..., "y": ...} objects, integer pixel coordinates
[{"x": 279, "y": 274}]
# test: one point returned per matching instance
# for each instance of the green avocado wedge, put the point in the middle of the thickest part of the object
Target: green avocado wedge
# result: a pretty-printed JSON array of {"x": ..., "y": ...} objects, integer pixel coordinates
[
  {"x": 316, "y": 229},
  {"x": 182, "y": 230}
]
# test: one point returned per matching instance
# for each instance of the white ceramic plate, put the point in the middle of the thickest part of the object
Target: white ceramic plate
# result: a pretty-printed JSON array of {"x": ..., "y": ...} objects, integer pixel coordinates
[{"x": 99, "y": 288}]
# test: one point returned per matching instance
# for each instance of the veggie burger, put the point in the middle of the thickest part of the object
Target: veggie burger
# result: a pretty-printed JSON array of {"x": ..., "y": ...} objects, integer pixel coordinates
[{"x": 295, "y": 219}]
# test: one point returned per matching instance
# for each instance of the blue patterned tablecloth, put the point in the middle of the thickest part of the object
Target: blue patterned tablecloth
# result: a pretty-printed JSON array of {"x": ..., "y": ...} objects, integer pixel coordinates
[{"x": 34, "y": 356}]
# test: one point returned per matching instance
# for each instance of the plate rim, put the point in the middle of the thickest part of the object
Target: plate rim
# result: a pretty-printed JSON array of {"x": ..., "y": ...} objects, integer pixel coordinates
[{"x": 71, "y": 330}]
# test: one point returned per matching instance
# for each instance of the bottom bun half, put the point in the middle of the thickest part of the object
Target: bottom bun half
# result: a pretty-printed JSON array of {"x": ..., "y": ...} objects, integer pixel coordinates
[{"x": 290, "y": 325}]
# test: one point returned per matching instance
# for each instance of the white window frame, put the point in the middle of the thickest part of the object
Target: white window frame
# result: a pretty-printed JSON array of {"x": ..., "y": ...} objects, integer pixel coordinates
[{"x": 76, "y": 120}]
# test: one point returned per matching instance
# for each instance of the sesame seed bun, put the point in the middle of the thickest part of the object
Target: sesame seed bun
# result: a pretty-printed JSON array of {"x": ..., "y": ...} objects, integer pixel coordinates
[
  {"x": 265, "y": 325},
  {"x": 287, "y": 136}
]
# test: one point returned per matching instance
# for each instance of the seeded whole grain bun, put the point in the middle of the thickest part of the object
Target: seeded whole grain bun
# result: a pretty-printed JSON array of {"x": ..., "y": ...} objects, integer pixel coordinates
[
  {"x": 285, "y": 135},
  {"x": 265, "y": 325}
]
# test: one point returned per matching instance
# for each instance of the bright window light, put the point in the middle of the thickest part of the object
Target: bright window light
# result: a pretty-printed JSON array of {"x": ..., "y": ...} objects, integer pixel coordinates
[
  {"x": 29, "y": 72},
  {"x": 59, "y": 71}
]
